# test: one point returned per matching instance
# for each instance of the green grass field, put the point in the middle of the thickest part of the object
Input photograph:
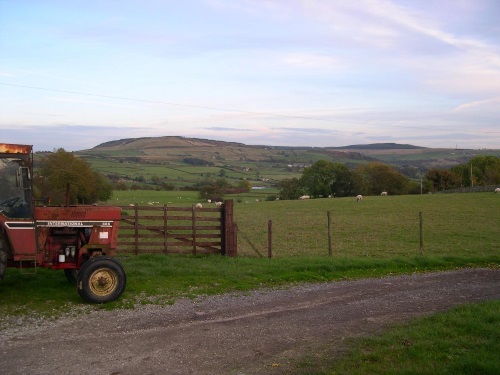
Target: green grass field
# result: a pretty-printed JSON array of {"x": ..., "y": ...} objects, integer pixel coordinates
[
  {"x": 453, "y": 224},
  {"x": 182, "y": 174},
  {"x": 378, "y": 227}
]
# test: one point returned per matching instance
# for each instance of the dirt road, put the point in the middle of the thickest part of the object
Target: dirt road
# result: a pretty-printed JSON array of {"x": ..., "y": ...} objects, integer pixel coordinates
[{"x": 256, "y": 333}]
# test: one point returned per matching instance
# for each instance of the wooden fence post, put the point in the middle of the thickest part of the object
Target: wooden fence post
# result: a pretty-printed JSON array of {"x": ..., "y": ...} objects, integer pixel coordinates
[
  {"x": 229, "y": 243},
  {"x": 421, "y": 225},
  {"x": 329, "y": 215},
  {"x": 165, "y": 228},
  {"x": 136, "y": 228},
  {"x": 193, "y": 227},
  {"x": 270, "y": 239}
]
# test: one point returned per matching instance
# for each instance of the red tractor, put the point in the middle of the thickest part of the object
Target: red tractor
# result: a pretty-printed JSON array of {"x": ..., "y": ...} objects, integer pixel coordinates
[{"x": 81, "y": 240}]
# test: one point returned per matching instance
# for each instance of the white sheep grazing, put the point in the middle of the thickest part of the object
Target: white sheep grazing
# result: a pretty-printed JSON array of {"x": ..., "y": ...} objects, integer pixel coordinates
[
  {"x": 304, "y": 197},
  {"x": 383, "y": 193},
  {"x": 209, "y": 201},
  {"x": 199, "y": 205},
  {"x": 218, "y": 204},
  {"x": 497, "y": 190},
  {"x": 359, "y": 198}
]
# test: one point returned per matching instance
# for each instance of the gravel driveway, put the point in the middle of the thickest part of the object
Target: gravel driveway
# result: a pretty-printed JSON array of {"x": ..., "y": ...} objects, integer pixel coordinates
[{"x": 259, "y": 332}]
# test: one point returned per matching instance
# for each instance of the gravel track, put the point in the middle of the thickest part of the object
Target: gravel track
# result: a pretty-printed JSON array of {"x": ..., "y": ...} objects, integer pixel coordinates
[{"x": 260, "y": 332}]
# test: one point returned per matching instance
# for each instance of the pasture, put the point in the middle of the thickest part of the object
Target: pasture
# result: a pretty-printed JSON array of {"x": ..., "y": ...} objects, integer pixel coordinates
[
  {"x": 376, "y": 227},
  {"x": 181, "y": 174},
  {"x": 465, "y": 225}
]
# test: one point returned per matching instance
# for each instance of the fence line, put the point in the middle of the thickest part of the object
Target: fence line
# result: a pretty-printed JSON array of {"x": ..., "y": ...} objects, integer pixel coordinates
[{"x": 370, "y": 235}]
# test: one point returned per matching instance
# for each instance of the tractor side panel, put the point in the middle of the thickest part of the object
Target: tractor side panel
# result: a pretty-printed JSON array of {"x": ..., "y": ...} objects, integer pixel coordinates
[{"x": 21, "y": 237}]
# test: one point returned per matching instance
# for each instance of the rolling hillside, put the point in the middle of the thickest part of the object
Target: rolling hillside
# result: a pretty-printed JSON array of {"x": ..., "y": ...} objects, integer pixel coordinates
[{"x": 186, "y": 161}]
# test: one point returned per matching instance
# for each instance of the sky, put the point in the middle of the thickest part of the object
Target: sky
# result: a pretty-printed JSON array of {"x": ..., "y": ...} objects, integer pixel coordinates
[{"x": 319, "y": 73}]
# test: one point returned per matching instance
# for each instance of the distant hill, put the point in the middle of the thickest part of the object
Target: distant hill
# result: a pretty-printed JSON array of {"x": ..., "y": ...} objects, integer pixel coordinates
[
  {"x": 187, "y": 160},
  {"x": 175, "y": 148},
  {"x": 380, "y": 146},
  {"x": 175, "y": 141},
  {"x": 160, "y": 142}
]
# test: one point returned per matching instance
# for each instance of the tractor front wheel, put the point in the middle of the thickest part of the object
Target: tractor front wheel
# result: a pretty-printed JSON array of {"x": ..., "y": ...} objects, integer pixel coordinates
[{"x": 101, "y": 280}]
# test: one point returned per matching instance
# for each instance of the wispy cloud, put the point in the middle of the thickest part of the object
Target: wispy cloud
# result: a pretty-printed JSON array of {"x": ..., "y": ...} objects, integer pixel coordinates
[
  {"x": 487, "y": 104},
  {"x": 222, "y": 129},
  {"x": 305, "y": 130}
]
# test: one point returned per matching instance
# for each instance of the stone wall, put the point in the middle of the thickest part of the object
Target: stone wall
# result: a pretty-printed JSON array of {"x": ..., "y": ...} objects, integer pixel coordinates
[{"x": 474, "y": 189}]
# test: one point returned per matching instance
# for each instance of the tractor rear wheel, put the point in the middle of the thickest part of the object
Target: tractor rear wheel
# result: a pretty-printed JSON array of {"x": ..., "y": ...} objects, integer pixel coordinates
[{"x": 101, "y": 280}]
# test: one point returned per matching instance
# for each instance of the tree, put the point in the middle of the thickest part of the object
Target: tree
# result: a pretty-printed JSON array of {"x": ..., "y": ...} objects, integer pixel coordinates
[
  {"x": 343, "y": 184},
  {"x": 443, "y": 179},
  {"x": 375, "y": 177},
  {"x": 318, "y": 179},
  {"x": 62, "y": 169},
  {"x": 212, "y": 189},
  {"x": 245, "y": 186},
  {"x": 484, "y": 170},
  {"x": 289, "y": 188}
]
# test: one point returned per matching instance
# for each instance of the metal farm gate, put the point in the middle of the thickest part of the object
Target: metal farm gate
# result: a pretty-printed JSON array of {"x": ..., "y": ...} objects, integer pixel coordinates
[{"x": 177, "y": 230}]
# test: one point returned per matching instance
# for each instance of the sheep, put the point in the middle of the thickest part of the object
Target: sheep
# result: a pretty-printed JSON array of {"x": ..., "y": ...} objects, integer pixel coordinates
[
  {"x": 359, "y": 198},
  {"x": 218, "y": 204},
  {"x": 497, "y": 190},
  {"x": 199, "y": 205},
  {"x": 383, "y": 193},
  {"x": 304, "y": 197},
  {"x": 209, "y": 201}
]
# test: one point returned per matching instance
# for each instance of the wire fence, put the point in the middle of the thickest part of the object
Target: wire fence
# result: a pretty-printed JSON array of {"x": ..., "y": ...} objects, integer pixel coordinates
[{"x": 374, "y": 232}]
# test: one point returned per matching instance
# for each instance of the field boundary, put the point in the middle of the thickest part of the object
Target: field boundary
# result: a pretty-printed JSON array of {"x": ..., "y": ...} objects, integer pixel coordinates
[
  {"x": 177, "y": 230},
  {"x": 472, "y": 189}
]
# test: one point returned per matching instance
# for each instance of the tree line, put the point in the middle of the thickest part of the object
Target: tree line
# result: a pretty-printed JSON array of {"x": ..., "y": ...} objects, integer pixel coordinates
[
  {"x": 328, "y": 179},
  {"x": 479, "y": 171}
]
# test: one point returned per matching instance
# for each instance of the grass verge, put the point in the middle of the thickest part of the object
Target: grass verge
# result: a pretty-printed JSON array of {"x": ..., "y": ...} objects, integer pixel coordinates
[{"x": 464, "y": 340}]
